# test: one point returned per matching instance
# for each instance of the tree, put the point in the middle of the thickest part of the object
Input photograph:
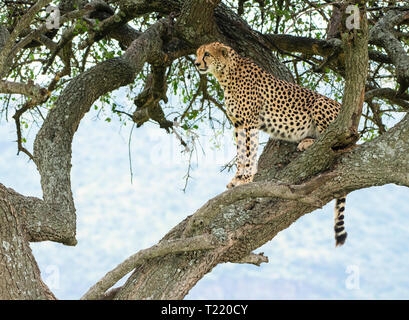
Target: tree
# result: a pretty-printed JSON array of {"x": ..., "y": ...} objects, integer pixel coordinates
[{"x": 82, "y": 63}]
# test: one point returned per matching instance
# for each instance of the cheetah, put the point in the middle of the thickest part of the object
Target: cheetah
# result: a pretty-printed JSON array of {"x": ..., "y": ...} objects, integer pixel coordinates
[{"x": 256, "y": 100}]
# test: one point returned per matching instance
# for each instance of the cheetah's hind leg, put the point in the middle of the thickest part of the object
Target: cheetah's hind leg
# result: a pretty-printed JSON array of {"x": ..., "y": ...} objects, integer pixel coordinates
[
  {"x": 236, "y": 181},
  {"x": 305, "y": 144},
  {"x": 240, "y": 179}
]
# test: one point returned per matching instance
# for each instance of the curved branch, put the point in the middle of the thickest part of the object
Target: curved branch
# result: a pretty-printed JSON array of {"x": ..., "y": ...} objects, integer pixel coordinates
[
  {"x": 202, "y": 242},
  {"x": 52, "y": 146},
  {"x": 342, "y": 132},
  {"x": 320, "y": 47},
  {"x": 383, "y": 35},
  {"x": 393, "y": 96},
  {"x": 38, "y": 219},
  {"x": 18, "y": 269},
  {"x": 260, "y": 189}
]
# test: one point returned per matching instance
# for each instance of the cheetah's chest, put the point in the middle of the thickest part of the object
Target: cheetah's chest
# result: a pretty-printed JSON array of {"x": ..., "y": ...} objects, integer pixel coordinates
[
  {"x": 242, "y": 104},
  {"x": 286, "y": 120}
]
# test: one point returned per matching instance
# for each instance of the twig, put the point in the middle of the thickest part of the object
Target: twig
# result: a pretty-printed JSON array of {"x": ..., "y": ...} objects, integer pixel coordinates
[
  {"x": 253, "y": 258},
  {"x": 22, "y": 23},
  {"x": 178, "y": 136},
  {"x": 42, "y": 96},
  {"x": 84, "y": 59},
  {"x": 66, "y": 37},
  {"x": 377, "y": 118},
  {"x": 130, "y": 153},
  {"x": 191, "y": 102},
  {"x": 35, "y": 34},
  {"x": 389, "y": 94},
  {"x": 295, "y": 19},
  {"x": 229, "y": 165},
  {"x": 189, "y": 167},
  {"x": 16, "y": 117},
  {"x": 318, "y": 8}
]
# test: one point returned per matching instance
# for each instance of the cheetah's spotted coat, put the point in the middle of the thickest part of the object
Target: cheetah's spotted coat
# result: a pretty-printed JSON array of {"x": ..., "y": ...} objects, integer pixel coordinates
[{"x": 256, "y": 100}]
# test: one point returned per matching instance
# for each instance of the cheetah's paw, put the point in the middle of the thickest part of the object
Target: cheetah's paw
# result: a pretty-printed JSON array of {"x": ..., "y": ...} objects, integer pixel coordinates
[
  {"x": 305, "y": 144},
  {"x": 239, "y": 180},
  {"x": 236, "y": 181}
]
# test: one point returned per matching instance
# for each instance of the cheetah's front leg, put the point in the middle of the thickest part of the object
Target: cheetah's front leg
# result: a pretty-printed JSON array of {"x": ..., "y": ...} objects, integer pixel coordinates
[
  {"x": 240, "y": 163},
  {"x": 247, "y": 147},
  {"x": 251, "y": 153}
]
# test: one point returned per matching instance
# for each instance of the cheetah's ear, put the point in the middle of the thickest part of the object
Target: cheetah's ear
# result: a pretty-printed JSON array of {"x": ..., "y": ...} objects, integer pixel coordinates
[{"x": 224, "y": 51}]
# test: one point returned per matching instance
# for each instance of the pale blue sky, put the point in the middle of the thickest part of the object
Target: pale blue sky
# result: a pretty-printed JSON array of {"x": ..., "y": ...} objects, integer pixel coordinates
[{"x": 117, "y": 218}]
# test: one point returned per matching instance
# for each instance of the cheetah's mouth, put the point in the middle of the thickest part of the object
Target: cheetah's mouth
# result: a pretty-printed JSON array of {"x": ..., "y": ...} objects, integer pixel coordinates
[{"x": 202, "y": 70}]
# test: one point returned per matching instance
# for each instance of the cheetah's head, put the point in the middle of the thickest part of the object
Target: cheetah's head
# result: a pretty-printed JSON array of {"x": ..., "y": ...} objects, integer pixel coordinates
[{"x": 212, "y": 58}]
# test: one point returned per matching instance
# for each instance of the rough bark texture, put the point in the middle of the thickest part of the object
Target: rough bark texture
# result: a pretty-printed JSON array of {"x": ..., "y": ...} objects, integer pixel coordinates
[{"x": 19, "y": 273}]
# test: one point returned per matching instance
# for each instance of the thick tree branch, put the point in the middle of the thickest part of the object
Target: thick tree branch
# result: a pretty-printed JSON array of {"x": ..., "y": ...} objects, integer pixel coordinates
[
  {"x": 202, "y": 242},
  {"x": 355, "y": 44},
  {"x": 383, "y": 35},
  {"x": 343, "y": 131},
  {"x": 19, "y": 274},
  {"x": 4, "y": 35},
  {"x": 28, "y": 89},
  {"x": 261, "y": 189},
  {"x": 197, "y": 20},
  {"x": 320, "y": 47},
  {"x": 393, "y": 96}
]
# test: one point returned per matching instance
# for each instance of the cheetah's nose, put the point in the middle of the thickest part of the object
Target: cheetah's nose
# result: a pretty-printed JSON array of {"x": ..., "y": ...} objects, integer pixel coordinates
[{"x": 197, "y": 64}]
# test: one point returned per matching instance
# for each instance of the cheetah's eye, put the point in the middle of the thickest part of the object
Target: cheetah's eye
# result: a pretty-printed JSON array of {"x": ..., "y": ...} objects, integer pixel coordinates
[{"x": 206, "y": 54}]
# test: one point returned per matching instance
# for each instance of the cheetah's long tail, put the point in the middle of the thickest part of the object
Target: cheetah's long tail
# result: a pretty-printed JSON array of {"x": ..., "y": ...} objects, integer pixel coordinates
[{"x": 340, "y": 233}]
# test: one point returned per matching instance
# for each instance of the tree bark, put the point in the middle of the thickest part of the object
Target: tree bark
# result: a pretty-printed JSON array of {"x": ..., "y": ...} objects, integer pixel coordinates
[{"x": 19, "y": 273}]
